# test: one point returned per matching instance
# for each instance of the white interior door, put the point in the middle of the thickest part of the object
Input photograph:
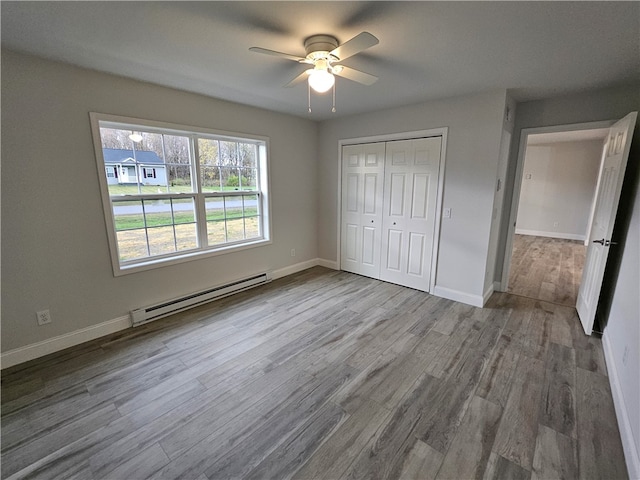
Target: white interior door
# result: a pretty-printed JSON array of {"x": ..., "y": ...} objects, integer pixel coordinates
[
  {"x": 409, "y": 207},
  {"x": 606, "y": 204},
  {"x": 362, "y": 184}
]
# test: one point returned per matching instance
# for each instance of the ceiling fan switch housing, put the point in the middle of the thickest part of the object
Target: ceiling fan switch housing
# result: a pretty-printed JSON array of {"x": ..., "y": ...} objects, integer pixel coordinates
[{"x": 320, "y": 43}]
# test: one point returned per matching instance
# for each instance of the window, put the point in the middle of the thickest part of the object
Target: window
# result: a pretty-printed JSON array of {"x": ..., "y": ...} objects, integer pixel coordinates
[{"x": 180, "y": 193}]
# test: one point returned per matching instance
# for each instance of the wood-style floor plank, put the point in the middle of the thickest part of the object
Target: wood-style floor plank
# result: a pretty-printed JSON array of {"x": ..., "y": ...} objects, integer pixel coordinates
[
  {"x": 516, "y": 437},
  {"x": 555, "y": 456},
  {"x": 337, "y": 453},
  {"x": 599, "y": 447},
  {"x": 548, "y": 269},
  {"x": 469, "y": 452},
  {"x": 323, "y": 374}
]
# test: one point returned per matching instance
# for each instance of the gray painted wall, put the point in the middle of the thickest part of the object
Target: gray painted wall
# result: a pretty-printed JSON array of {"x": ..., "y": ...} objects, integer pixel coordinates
[
  {"x": 475, "y": 128},
  {"x": 54, "y": 243},
  {"x": 623, "y": 327},
  {"x": 558, "y": 186}
]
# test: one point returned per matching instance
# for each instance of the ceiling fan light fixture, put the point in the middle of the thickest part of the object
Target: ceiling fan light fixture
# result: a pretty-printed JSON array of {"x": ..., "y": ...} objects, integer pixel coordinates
[{"x": 321, "y": 80}]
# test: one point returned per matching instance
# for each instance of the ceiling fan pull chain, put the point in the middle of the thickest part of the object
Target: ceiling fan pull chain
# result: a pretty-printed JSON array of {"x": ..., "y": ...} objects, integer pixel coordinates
[
  {"x": 309, "y": 96},
  {"x": 333, "y": 108}
]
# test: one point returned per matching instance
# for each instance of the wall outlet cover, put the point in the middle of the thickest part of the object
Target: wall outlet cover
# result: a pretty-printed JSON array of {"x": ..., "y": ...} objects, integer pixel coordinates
[{"x": 43, "y": 317}]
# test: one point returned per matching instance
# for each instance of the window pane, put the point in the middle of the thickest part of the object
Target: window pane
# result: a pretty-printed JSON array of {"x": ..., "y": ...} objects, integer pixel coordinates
[
  {"x": 252, "y": 227},
  {"x": 230, "y": 178},
  {"x": 247, "y": 155},
  {"x": 216, "y": 232},
  {"x": 214, "y": 208},
  {"x": 150, "y": 143},
  {"x": 186, "y": 236},
  {"x": 176, "y": 150},
  {"x": 235, "y": 230},
  {"x": 210, "y": 179},
  {"x": 233, "y": 207},
  {"x": 116, "y": 138},
  {"x": 183, "y": 211},
  {"x": 248, "y": 179},
  {"x": 208, "y": 151},
  {"x": 132, "y": 244},
  {"x": 250, "y": 205},
  {"x": 161, "y": 240},
  {"x": 128, "y": 215},
  {"x": 228, "y": 154},
  {"x": 180, "y": 179},
  {"x": 158, "y": 212}
]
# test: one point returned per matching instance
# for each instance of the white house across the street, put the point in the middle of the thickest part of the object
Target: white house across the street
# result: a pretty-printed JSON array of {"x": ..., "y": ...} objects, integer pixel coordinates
[{"x": 133, "y": 167}]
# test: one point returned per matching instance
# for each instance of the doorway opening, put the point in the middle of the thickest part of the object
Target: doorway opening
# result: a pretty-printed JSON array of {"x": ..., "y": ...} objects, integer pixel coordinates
[{"x": 556, "y": 182}]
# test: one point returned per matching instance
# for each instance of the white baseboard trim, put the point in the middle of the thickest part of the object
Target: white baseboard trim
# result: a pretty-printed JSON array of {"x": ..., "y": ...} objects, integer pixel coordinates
[
  {"x": 487, "y": 294},
  {"x": 55, "y": 344},
  {"x": 629, "y": 446},
  {"x": 298, "y": 267},
  {"x": 333, "y": 265},
  {"x": 295, "y": 268},
  {"x": 497, "y": 287},
  {"x": 539, "y": 233},
  {"x": 458, "y": 296}
]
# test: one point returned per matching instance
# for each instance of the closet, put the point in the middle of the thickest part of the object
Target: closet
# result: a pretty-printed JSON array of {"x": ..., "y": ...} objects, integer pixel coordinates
[{"x": 389, "y": 192}]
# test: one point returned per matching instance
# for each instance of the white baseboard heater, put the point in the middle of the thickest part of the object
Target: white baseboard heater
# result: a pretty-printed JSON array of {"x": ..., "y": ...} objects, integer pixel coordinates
[{"x": 154, "y": 312}]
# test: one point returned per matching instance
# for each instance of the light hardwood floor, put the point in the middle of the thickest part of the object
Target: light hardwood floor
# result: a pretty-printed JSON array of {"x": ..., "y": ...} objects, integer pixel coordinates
[
  {"x": 548, "y": 269},
  {"x": 324, "y": 375}
]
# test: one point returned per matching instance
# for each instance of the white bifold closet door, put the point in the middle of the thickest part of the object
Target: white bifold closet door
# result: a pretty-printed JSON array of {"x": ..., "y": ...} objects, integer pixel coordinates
[
  {"x": 388, "y": 212},
  {"x": 362, "y": 184}
]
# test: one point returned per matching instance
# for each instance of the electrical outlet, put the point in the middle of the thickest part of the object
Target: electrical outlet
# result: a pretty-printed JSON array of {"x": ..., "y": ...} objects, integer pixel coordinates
[
  {"x": 43, "y": 317},
  {"x": 293, "y": 252},
  {"x": 446, "y": 213},
  {"x": 527, "y": 176},
  {"x": 625, "y": 355}
]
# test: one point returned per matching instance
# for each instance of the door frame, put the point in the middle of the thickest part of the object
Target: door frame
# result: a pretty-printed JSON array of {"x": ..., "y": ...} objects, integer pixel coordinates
[
  {"x": 432, "y": 132},
  {"x": 517, "y": 183}
]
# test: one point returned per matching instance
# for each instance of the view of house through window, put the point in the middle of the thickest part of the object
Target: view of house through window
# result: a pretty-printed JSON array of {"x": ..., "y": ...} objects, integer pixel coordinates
[{"x": 173, "y": 193}]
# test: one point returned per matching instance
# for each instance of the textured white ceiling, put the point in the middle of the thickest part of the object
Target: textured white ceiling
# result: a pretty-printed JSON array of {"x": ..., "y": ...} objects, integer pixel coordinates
[{"x": 427, "y": 50}]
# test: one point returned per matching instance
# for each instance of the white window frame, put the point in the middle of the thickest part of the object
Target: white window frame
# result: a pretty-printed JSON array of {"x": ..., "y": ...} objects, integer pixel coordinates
[{"x": 193, "y": 133}]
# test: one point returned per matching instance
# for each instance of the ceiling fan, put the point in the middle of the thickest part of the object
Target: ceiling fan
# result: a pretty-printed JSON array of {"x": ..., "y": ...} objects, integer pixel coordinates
[{"x": 326, "y": 55}]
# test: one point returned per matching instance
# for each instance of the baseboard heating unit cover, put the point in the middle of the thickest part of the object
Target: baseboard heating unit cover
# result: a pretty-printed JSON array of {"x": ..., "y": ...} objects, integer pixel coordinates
[{"x": 154, "y": 312}]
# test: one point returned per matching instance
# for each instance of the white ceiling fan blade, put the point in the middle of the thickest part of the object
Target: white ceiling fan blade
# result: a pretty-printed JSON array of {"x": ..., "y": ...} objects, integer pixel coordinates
[
  {"x": 360, "y": 42},
  {"x": 300, "y": 78},
  {"x": 355, "y": 75},
  {"x": 278, "y": 54}
]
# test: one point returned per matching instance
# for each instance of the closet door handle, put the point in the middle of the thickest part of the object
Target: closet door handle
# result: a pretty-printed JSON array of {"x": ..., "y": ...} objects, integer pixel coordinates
[{"x": 601, "y": 241}]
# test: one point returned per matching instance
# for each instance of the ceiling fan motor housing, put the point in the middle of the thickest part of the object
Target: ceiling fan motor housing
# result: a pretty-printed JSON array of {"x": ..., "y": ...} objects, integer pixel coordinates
[{"x": 319, "y": 46}]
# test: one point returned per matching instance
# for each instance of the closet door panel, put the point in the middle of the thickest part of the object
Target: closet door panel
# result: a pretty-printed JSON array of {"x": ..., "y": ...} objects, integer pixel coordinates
[
  {"x": 411, "y": 178},
  {"x": 361, "y": 215},
  {"x": 415, "y": 261},
  {"x": 394, "y": 250}
]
